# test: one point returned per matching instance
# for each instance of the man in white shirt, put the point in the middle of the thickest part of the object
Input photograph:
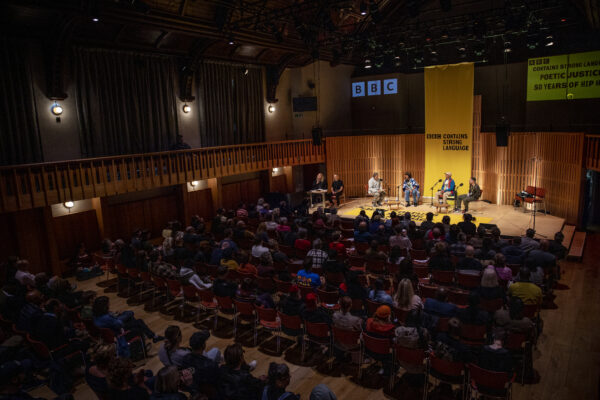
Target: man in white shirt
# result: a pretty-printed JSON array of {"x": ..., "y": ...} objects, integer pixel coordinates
[
  {"x": 375, "y": 189},
  {"x": 318, "y": 255}
]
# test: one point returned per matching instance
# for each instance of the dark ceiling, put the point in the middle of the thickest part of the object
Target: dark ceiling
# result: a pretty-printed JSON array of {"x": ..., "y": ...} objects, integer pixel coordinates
[{"x": 391, "y": 34}]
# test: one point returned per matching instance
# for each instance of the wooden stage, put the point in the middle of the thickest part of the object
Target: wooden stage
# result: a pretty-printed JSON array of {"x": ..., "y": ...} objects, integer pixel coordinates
[{"x": 511, "y": 221}]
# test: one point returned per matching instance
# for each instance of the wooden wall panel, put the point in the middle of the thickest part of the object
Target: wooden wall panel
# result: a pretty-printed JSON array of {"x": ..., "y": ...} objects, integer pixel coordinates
[
  {"x": 25, "y": 236},
  {"x": 72, "y": 229},
  {"x": 592, "y": 152},
  {"x": 246, "y": 191},
  {"x": 279, "y": 184},
  {"x": 199, "y": 202}
]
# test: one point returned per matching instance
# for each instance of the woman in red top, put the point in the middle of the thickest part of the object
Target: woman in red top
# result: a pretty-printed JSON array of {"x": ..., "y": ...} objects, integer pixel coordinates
[
  {"x": 380, "y": 324},
  {"x": 336, "y": 244},
  {"x": 302, "y": 243}
]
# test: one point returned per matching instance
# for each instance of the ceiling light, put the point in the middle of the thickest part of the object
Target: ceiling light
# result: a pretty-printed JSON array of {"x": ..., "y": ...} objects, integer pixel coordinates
[
  {"x": 231, "y": 41},
  {"x": 95, "y": 19},
  {"x": 194, "y": 183},
  {"x": 68, "y": 204},
  {"x": 367, "y": 63},
  {"x": 549, "y": 41},
  {"x": 507, "y": 48},
  {"x": 363, "y": 8},
  {"x": 271, "y": 108},
  {"x": 56, "y": 109},
  {"x": 186, "y": 108}
]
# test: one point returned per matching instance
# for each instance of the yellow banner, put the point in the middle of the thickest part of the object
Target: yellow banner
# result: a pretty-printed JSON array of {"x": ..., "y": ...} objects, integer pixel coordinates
[{"x": 448, "y": 125}]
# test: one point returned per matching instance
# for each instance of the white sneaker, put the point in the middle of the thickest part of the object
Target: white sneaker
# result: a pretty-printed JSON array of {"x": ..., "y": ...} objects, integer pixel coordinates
[{"x": 252, "y": 365}]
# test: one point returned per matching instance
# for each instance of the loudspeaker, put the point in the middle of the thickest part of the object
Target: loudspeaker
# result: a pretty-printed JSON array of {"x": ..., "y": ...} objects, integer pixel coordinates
[
  {"x": 488, "y": 227},
  {"x": 502, "y": 132},
  {"x": 317, "y": 134}
]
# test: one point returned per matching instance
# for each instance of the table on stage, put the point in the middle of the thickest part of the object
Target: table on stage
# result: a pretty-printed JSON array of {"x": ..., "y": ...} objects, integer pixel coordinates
[{"x": 320, "y": 192}]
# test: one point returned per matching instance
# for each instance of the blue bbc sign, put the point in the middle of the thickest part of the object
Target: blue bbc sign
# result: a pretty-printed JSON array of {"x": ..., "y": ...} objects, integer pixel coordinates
[{"x": 375, "y": 88}]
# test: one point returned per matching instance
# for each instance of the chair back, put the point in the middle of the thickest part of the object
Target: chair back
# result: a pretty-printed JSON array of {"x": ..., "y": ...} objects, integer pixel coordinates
[
  {"x": 376, "y": 266},
  {"x": 304, "y": 290},
  {"x": 418, "y": 254},
  {"x": 356, "y": 261},
  {"x": 327, "y": 297},
  {"x": 530, "y": 310},
  {"x": 317, "y": 329},
  {"x": 515, "y": 341},
  {"x": 488, "y": 379},
  {"x": 107, "y": 335},
  {"x": 468, "y": 281},
  {"x": 207, "y": 297},
  {"x": 292, "y": 322},
  {"x": 334, "y": 278},
  {"x": 357, "y": 306},
  {"x": 427, "y": 291},
  {"x": 458, "y": 297},
  {"x": 133, "y": 273},
  {"x": 540, "y": 192},
  {"x": 515, "y": 268},
  {"x": 346, "y": 337},
  {"x": 491, "y": 305},
  {"x": 400, "y": 314},
  {"x": 265, "y": 284},
  {"x": 145, "y": 275},
  {"x": 224, "y": 303},
  {"x": 376, "y": 345},
  {"x": 442, "y": 324},
  {"x": 244, "y": 309},
  {"x": 265, "y": 314},
  {"x": 281, "y": 286},
  {"x": 408, "y": 356},
  {"x": 174, "y": 287},
  {"x": 421, "y": 271},
  {"x": 190, "y": 292},
  {"x": 473, "y": 334},
  {"x": 159, "y": 282},
  {"x": 445, "y": 367},
  {"x": 443, "y": 277},
  {"x": 361, "y": 247},
  {"x": 372, "y": 306}
]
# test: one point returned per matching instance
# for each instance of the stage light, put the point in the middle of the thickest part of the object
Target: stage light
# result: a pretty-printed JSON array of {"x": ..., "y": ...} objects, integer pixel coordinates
[
  {"x": 532, "y": 43},
  {"x": 194, "y": 183},
  {"x": 563, "y": 19},
  {"x": 507, "y": 47},
  {"x": 95, "y": 19},
  {"x": 271, "y": 108},
  {"x": 275, "y": 170},
  {"x": 68, "y": 204},
  {"x": 549, "y": 41},
  {"x": 231, "y": 41},
  {"x": 363, "y": 8},
  {"x": 462, "y": 51},
  {"x": 56, "y": 109},
  {"x": 368, "y": 64},
  {"x": 186, "y": 108}
]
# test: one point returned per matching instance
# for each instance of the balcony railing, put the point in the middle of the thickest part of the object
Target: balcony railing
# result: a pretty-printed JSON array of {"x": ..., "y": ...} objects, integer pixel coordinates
[{"x": 38, "y": 185}]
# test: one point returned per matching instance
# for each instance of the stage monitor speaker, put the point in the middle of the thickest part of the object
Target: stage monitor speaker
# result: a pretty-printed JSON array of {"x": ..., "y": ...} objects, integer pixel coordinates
[
  {"x": 488, "y": 227},
  {"x": 317, "y": 134},
  {"x": 502, "y": 132}
]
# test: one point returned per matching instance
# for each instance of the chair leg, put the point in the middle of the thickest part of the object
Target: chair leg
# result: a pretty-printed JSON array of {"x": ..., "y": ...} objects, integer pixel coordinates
[
  {"x": 303, "y": 348},
  {"x": 278, "y": 340},
  {"x": 216, "y": 320},
  {"x": 255, "y": 332}
]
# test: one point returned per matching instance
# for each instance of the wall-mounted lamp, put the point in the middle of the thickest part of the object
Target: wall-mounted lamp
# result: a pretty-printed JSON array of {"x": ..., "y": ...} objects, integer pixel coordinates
[
  {"x": 194, "y": 183},
  {"x": 186, "y": 108},
  {"x": 56, "y": 109},
  {"x": 275, "y": 170},
  {"x": 68, "y": 204},
  {"x": 271, "y": 108}
]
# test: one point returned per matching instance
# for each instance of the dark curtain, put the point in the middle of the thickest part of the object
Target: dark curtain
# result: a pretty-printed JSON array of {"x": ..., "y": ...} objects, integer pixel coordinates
[
  {"x": 19, "y": 133},
  {"x": 230, "y": 104},
  {"x": 126, "y": 102}
]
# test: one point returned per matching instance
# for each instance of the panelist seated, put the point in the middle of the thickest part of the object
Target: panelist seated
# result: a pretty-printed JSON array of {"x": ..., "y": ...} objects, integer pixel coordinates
[
  {"x": 447, "y": 188},
  {"x": 410, "y": 187},
  {"x": 337, "y": 188},
  {"x": 320, "y": 183},
  {"x": 375, "y": 189}
]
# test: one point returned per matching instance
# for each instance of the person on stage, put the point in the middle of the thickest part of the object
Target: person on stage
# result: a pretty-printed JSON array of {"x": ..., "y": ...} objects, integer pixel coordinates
[
  {"x": 410, "y": 186},
  {"x": 474, "y": 194},
  {"x": 447, "y": 188},
  {"x": 320, "y": 183},
  {"x": 337, "y": 188},
  {"x": 376, "y": 190}
]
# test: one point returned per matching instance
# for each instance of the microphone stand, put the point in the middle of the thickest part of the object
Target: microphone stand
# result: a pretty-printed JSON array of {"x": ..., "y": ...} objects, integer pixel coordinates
[{"x": 433, "y": 187}]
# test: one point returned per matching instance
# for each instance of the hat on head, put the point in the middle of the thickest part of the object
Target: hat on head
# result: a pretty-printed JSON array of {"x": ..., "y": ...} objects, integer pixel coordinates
[
  {"x": 383, "y": 311},
  {"x": 293, "y": 289},
  {"x": 449, "y": 173},
  {"x": 310, "y": 301}
]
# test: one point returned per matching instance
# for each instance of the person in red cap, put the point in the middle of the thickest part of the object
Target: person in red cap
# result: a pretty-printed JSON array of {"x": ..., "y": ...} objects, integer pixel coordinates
[
  {"x": 380, "y": 324},
  {"x": 312, "y": 312},
  {"x": 292, "y": 303}
]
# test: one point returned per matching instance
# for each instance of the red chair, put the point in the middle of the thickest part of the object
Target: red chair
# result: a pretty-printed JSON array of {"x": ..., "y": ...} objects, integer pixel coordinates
[
  {"x": 174, "y": 289},
  {"x": 160, "y": 286},
  {"x": 357, "y": 307},
  {"x": 190, "y": 296},
  {"x": 443, "y": 371},
  {"x": 515, "y": 268},
  {"x": 122, "y": 276},
  {"x": 334, "y": 278},
  {"x": 427, "y": 291},
  {"x": 531, "y": 311},
  {"x": 316, "y": 332},
  {"x": 442, "y": 324},
  {"x": 291, "y": 323},
  {"x": 44, "y": 353},
  {"x": 443, "y": 277},
  {"x": 458, "y": 297},
  {"x": 421, "y": 272},
  {"x": 361, "y": 247},
  {"x": 492, "y": 384},
  {"x": 409, "y": 359},
  {"x": 376, "y": 266},
  {"x": 282, "y": 287},
  {"x": 491, "y": 305},
  {"x": 379, "y": 347},
  {"x": 328, "y": 300},
  {"x": 468, "y": 281},
  {"x": 304, "y": 290},
  {"x": 347, "y": 341},
  {"x": 207, "y": 302},
  {"x": 134, "y": 279},
  {"x": 400, "y": 314},
  {"x": 418, "y": 254},
  {"x": 244, "y": 275},
  {"x": 372, "y": 306},
  {"x": 267, "y": 318},
  {"x": 244, "y": 311},
  {"x": 473, "y": 335},
  {"x": 224, "y": 306},
  {"x": 356, "y": 262},
  {"x": 520, "y": 348},
  {"x": 108, "y": 337}
]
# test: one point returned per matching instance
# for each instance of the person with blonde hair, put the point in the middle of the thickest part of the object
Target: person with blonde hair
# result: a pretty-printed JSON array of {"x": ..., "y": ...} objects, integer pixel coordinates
[{"x": 405, "y": 298}]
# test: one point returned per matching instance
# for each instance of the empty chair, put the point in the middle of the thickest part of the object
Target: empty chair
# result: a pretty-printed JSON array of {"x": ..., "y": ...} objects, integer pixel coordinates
[{"x": 267, "y": 318}]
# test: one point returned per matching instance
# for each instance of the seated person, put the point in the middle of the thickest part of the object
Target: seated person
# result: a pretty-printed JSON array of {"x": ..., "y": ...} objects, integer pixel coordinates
[
  {"x": 235, "y": 380},
  {"x": 171, "y": 352},
  {"x": 245, "y": 266},
  {"x": 439, "y": 259},
  {"x": 378, "y": 294},
  {"x": 528, "y": 292},
  {"x": 31, "y": 312},
  {"x": 228, "y": 260},
  {"x": 380, "y": 325},
  {"x": 490, "y": 289},
  {"x": 118, "y": 323},
  {"x": 428, "y": 223},
  {"x": 528, "y": 242},
  {"x": 467, "y": 226},
  {"x": 87, "y": 301},
  {"x": 246, "y": 292},
  {"x": 362, "y": 234},
  {"x": 448, "y": 345},
  {"x": 396, "y": 256},
  {"x": 502, "y": 270},
  {"x": 336, "y": 244},
  {"x": 99, "y": 368},
  {"x": 265, "y": 268},
  {"x": 291, "y": 304},
  {"x": 189, "y": 276},
  {"x": 405, "y": 298},
  {"x": 469, "y": 264},
  {"x": 121, "y": 386},
  {"x": 343, "y": 319},
  {"x": 400, "y": 238},
  {"x": 373, "y": 252},
  {"x": 513, "y": 253},
  {"x": 221, "y": 286},
  {"x": 512, "y": 320},
  {"x": 333, "y": 265},
  {"x": 50, "y": 329},
  {"x": 302, "y": 243},
  {"x": 23, "y": 275},
  {"x": 486, "y": 252},
  {"x": 458, "y": 248},
  {"x": 62, "y": 290},
  {"x": 495, "y": 357},
  {"x": 312, "y": 312},
  {"x": 205, "y": 364},
  {"x": 353, "y": 288},
  {"x": 318, "y": 255},
  {"x": 166, "y": 386},
  {"x": 472, "y": 314},
  {"x": 258, "y": 248},
  {"x": 277, "y": 255},
  {"x": 440, "y": 306},
  {"x": 277, "y": 380},
  {"x": 306, "y": 277}
]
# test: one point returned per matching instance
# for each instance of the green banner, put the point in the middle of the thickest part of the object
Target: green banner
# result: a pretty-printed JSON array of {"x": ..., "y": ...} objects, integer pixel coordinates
[{"x": 570, "y": 76}]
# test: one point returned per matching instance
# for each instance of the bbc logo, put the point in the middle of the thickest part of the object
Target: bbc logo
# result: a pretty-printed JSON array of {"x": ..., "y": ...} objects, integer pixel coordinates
[{"x": 374, "y": 88}]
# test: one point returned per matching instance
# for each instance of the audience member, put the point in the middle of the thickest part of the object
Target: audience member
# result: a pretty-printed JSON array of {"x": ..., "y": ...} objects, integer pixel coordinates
[
  {"x": 528, "y": 292},
  {"x": 440, "y": 306},
  {"x": 512, "y": 320},
  {"x": 306, "y": 276},
  {"x": 467, "y": 226},
  {"x": 291, "y": 304},
  {"x": 221, "y": 286},
  {"x": 490, "y": 289},
  {"x": 121, "y": 385},
  {"x": 312, "y": 312},
  {"x": 405, "y": 298},
  {"x": 204, "y": 363},
  {"x": 362, "y": 234},
  {"x": 170, "y": 352},
  {"x": 378, "y": 294},
  {"x": 167, "y": 384},
  {"x": 23, "y": 275},
  {"x": 380, "y": 324},
  {"x": 277, "y": 380},
  {"x": 472, "y": 314},
  {"x": 317, "y": 254},
  {"x": 528, "y": 243},
  {"x": 469, "y": 264},
  {"x": 494, "y": 357},
  {"x": 343, "y": 319},
  {"x": 235, "y": 380}
]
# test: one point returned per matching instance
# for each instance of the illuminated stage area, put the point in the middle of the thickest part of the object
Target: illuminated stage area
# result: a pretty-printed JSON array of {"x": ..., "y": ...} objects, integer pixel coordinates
[{"x": 510, "y": 221}]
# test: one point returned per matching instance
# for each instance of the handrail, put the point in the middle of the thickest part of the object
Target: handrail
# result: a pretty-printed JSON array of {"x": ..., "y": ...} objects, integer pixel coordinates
[{"x": 36, "y": 185}]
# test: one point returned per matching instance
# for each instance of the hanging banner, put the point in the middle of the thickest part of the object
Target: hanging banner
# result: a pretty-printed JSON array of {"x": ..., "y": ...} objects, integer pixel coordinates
[{"x": 448, "y": 125}]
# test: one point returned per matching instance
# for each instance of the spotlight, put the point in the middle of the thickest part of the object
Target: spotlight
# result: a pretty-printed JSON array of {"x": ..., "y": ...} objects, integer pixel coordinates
[
  {"x": 56, "y": 109},
  {"x": 186, "y": 108},
  {"x": 95, "y": 19},
  {"x": 549, "y": 41},
  {"x": 462, "y": 51},
  {"x": 246, "y": 71},
  {"x": 271, "y": 108},
  {"x": 363, "y": 8},
  {"x": 194, "y": 183},
  {"x": 507, "y": 48},
  {"x": 68, "y": 204},
  {"x": 231, "y": 41},
  {"x": 563, "y": 19},
  {"x": 367, "y": 64}
]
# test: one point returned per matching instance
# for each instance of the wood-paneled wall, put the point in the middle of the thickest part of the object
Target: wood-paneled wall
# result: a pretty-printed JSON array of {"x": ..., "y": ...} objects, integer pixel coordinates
[
  {"x": 279, "y": 184},
  {"x": 592, "y": 152},
  {"x": 199, "y": 202},
  {"x": 72, "y": 229},
  {"x": 246, "y": 191}
]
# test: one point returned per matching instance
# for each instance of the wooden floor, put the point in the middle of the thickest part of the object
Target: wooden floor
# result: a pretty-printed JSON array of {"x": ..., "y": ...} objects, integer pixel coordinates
[
  {"x": 567, "y": 357},
  {"x": 511, "y": 221}
]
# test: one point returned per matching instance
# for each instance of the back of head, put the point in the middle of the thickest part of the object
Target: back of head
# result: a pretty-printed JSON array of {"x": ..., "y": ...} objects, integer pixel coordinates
[
  {"x": 515, "y": 308},
  {"x": 317, "y": 244},
  {"x": 440, "y": 248},
  {"x": 120, "y": 372},
  {"x": 489, "y": 278},
  {"x": 234, "y": 354},
  {"x": 559, "y": 237},
  {"x": 524, "y": 274},
  {"x": 530, "y": 233},
  {"x": 469, "y": 251},
  {"x": 544, "y": 245},
  {"x": 167, "y": 380},
  {"x": 467, "y": 217},
  {"x": 172, "y": 337},
  {"x": 429, "y": 216},
  {"x": 454, "y": 327},
  {"x": 441, "y": 294},
  {"x": 322, "y": 392},
  {"x": 345, "y": 304},
  {"x": 198, "y": 340},
  {"x": 277, "y": 372},
  {"x": 34, "y": 297},
  {"x": 446, "y": 220},
  {"x": 100, "y": 306},
  {"x": 407, "y": 216},
  {"x": 499, "y": 260}
]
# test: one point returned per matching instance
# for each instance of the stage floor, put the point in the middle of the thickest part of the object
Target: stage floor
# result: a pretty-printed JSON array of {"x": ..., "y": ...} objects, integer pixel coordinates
[{"x": 511, "y": 221}]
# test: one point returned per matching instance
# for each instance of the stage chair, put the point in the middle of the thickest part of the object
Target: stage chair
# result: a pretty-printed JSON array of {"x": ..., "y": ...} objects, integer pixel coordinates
[
  {"x": 244, "y": 311},
  {"x": 377, "y": 348},
  {"x": 328, "y": 300}
]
